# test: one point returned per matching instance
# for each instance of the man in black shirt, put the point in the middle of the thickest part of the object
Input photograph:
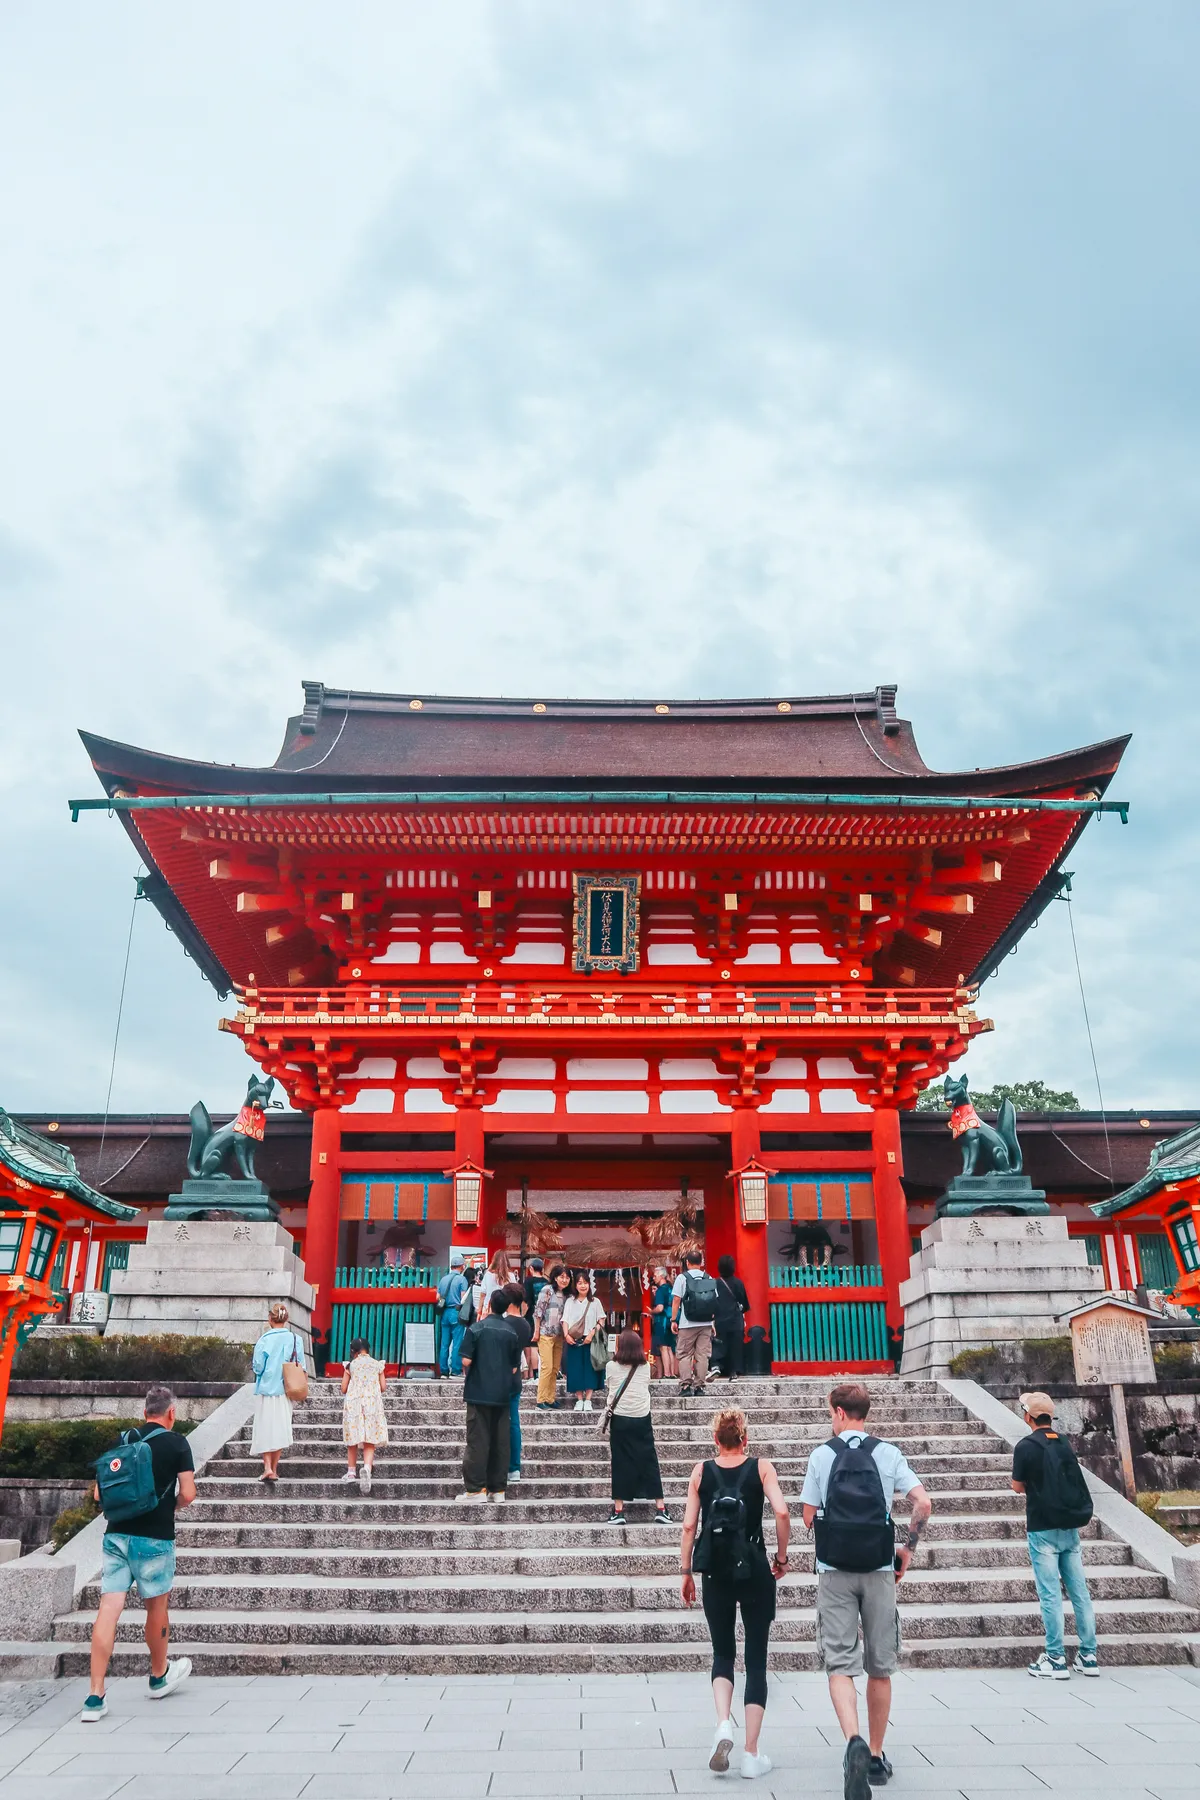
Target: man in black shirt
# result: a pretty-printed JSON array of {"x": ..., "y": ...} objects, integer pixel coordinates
[
  {"x": 514, "y": 1317},
  {"x": 142, "y": 1549},
  {"x": 491, "y": 1359},
  {"x": 1046, "y": 1471}
]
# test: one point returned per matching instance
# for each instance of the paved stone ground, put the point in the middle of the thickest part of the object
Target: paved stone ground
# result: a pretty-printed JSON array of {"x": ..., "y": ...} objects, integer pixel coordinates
[{"x": 1135, "y": 1733}]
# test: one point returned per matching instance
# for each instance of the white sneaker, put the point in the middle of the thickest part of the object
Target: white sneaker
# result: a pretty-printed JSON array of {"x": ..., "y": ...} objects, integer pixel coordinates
[
  {"x": 496, "y": 1499},
  {"x": 514, "y": 1475},
  {"x": 364, "y": 1480},
  {"x": 177, "y": 1671},
  {"x": 348, "y": 1477},
  {"x": 479, "y": 1499},
  {"x": 1046, "y": 1669},
  {"x": 755, "y": 1765},
  {"x": 578, "y": 1407},
  {"x": 721, "y": 1747}
]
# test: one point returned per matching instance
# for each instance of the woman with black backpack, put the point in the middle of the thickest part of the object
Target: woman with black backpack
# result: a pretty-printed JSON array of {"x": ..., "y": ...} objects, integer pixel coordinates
[{"x": 726, "y": 1498}]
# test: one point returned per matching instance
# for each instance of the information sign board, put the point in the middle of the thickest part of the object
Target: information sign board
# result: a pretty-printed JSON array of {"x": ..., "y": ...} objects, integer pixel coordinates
[
  {"x": 1111, "y": 1344},
  {"x": 420, "y": 1343}
]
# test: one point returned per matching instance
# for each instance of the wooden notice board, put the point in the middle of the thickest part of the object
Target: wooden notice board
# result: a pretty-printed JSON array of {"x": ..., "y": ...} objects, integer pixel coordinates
[{"x": 1111, "y": 1343}]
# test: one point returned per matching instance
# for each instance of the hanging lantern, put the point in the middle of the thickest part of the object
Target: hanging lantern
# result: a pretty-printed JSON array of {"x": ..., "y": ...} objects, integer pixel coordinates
[
  {"x": 468, "y": 1192},
  {"x": 751, "y": 1181}
]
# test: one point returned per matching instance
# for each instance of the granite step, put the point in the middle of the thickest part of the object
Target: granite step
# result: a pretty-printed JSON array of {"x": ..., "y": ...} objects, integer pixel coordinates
[
  {"x": 619, "y": 1560},
  {"x": 494, "y": 1529},
  {"x": 619, "y": 1658},
  {"x": 923, "y": 1622},
  {"x": 604, "y": 1594}
]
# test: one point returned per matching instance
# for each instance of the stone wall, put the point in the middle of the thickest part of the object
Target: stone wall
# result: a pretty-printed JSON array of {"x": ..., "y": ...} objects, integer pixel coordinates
[
  {"x": 28, "y": 1509},
  {"x": 109, "y": 1399},
  {"x": 1164, "y": 1430}
]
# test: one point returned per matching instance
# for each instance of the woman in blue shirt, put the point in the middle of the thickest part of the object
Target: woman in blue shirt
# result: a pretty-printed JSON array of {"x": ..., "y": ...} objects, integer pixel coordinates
[{"x": 272, "y": 1408}]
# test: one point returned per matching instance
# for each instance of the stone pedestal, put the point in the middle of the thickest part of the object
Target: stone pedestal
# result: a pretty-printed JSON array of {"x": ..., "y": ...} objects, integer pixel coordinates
[
  {"x": 209, "y": 1278},
  {"x": 970, "y": 1194},
  {"x": 990, "y": 1279},
  {"x": 201, "y": 1196}
]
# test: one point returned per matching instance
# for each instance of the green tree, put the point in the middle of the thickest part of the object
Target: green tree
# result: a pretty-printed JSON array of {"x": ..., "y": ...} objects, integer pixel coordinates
[{"x": 1026, "y": 1096}]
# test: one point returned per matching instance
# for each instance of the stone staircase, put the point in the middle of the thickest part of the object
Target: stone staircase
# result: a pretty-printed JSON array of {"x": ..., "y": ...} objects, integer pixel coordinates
[{"x": 315, "y": 1578}]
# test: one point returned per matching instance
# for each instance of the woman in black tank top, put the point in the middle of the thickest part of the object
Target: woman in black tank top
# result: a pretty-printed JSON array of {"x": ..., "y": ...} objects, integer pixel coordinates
[{"x": 752, "y": 1480}]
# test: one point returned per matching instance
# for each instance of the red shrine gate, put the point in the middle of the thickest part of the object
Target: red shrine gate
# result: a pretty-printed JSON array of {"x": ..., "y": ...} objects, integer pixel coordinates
[{"x": 597, "y": 954}]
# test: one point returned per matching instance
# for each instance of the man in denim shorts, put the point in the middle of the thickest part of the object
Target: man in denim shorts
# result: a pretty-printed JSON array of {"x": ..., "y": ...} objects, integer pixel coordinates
[
  {"x": 143, "y": 1551},
  {"x": 850, "y": 1600}
]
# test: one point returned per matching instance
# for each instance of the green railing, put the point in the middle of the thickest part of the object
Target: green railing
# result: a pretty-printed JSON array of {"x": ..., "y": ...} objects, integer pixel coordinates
[
  {"x": 382, "y": 1324},
  {"x": 381, "y": 1276},
  {"x": 835, "y": 1332},
  {"x": 116, "y": 1256},
  {"x": 801, "y": 1275}
]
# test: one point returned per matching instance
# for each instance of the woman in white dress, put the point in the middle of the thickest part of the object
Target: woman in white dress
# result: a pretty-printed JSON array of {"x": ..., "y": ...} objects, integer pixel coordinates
[{"x": 272, "y": 1408}]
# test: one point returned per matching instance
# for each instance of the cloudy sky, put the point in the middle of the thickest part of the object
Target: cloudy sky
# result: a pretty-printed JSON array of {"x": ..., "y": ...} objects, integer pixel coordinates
[{"x": 683, "y": 348}]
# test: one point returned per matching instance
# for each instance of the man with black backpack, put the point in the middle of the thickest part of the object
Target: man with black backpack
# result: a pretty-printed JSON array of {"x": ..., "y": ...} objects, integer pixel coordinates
[
  {"x": 1057, "y": 1504},
  {"x": 136, "y": 1489},
  {"x": 694, "y": 1300},
  {"x": 849, "y": 1487}
]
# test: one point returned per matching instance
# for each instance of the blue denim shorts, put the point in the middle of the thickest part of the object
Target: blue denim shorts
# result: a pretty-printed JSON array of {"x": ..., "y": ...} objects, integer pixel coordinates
[{"x": 148, "y": 1561}]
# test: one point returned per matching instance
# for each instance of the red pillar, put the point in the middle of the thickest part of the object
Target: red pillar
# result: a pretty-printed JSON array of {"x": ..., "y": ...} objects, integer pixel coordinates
[
  {"x": 324, "y": 1210},
  {"x": 891, "y": 1209},
  {"x": 488, "y": 1235},
  {"x": 751, "y": 1250}
]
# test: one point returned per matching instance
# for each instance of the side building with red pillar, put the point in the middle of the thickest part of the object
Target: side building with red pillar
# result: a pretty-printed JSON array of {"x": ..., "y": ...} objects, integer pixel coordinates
[{"x": 554, "y": 970}]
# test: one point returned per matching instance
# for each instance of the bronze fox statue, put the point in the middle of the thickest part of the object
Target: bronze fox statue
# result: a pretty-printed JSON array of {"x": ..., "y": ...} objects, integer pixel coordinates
[
  {"x": 986, "y": 1149},
  {"x": 209, "y": 1148}
]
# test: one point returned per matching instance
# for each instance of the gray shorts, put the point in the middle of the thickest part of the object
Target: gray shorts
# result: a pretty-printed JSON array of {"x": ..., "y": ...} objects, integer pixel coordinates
[{"x": 846, "y": 1599}]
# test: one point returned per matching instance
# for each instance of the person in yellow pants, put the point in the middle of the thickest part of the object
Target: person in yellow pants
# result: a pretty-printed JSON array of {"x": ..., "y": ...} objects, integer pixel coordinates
[{"x": 547, "y": 1324}]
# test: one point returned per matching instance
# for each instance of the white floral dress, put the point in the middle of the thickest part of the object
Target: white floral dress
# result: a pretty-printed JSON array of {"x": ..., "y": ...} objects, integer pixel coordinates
[{"x": 363, "y": 1418}]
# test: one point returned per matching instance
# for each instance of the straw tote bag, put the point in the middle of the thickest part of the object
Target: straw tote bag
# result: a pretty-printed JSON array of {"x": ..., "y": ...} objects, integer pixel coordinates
[{"x": 295, "y": 1376}]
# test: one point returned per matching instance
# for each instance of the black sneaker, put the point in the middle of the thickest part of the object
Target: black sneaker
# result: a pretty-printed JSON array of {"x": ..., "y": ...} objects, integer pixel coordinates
[
  {"x": 615, "y": 1518},
  {"x": 881, "y": 1771},
  {"x": 856, "y": 1770},
  {"x": 662, "y": 1516}
]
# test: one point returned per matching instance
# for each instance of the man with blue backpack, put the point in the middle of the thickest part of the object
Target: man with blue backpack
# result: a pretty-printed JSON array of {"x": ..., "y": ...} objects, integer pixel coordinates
[
  {"x": 139, "y": 1483},
  {"x": 849, "y": 1487}
]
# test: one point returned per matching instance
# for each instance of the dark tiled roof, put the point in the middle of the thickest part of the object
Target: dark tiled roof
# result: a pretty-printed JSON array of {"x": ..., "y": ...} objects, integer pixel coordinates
[
  {"x": 1064, "y": 1152},
  {"x": 845, "y": 743},
  {"x": 145, "y": 1155}
]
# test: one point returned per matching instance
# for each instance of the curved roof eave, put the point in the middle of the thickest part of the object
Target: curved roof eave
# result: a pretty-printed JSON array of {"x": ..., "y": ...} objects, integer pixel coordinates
[{"x": 117, "y": 763}]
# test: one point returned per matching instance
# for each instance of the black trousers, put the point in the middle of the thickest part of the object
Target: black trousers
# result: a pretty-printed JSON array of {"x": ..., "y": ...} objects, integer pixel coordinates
[
  {"x": 731, "y": 1356},
  {"x": 757, "y": 1601},
  {"x": 485, "y": 1462}
]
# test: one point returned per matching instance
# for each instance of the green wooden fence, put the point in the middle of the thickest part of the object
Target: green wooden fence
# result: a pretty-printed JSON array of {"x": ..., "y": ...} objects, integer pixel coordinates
[
  {"x": 380, "y": 1275},
  {"x": 832, "y": 1331},
  {"x": 803, "y": 1275},
  {"x": 382, "y": 1324}
]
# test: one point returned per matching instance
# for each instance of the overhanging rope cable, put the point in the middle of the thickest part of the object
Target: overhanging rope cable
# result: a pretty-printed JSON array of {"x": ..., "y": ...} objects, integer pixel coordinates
[
  {"x": 1066, "y": 895},
  {"x": 112, "y": 1067}
]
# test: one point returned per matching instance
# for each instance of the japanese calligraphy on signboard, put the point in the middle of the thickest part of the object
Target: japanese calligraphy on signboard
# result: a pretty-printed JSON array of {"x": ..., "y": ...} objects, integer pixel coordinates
[
  {"x": 606, "y": 924},
  {"x": 1111, "y": 1344}
]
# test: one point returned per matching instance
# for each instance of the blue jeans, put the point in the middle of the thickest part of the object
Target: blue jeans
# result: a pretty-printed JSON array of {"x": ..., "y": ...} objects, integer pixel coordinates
[
  {"x": 1058, "y": 1563},
  {"x": 514, "y": 1434},
  {"x": 450, "y": 1360}
]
